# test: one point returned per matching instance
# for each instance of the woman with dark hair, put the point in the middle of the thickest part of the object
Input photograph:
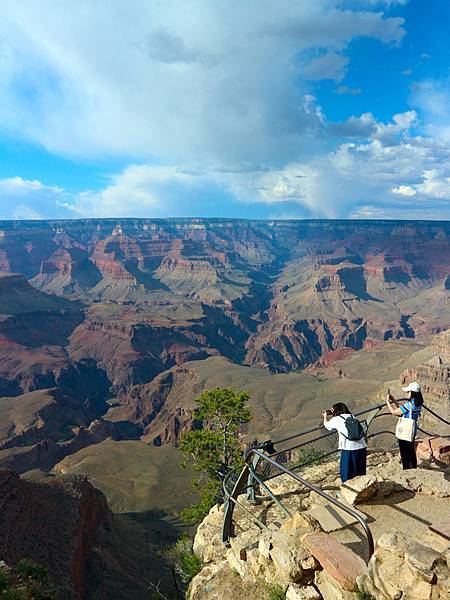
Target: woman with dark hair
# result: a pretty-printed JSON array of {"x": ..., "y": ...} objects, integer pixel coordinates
[
  {"x": 353, "y": 451},
  {"x": 410, "y": 408}
]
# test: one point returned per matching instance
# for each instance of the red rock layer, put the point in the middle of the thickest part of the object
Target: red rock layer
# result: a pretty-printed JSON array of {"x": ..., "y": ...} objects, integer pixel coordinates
[
  {"x": 55, "y": 524},
  {"x": 434, "y": 377}
]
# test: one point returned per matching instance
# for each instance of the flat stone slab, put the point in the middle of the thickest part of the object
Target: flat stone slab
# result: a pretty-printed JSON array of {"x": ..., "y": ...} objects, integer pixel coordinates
[
  {"x": 441, "y": 528},
  {"x": 332, "y": 518},
  {"x": 337, "y": 560}
]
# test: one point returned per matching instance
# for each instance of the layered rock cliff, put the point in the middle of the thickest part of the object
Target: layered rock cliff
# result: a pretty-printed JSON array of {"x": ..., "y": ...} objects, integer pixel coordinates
[
  {"x": 56, "y": 524},
  {"x": 434, "y": 376},
  {"x": 96, "y": 307},
  {"x": 65, "y": 525}
]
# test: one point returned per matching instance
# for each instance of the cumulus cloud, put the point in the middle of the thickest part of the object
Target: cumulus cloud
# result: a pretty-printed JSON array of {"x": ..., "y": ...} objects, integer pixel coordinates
[
  {"x": 139, "y": 191},
  {"x": 360, "y": 127},
  {"x": 389, "y": 171},
  {"x": 404, "y": 190},
  {"x": 209, "y": 120},
  {"x": 170, "y": 82},
  {"x": 30, "y": 199},
  {"x": 412, "y": 173},
  {"x": 385, "y": 171}
]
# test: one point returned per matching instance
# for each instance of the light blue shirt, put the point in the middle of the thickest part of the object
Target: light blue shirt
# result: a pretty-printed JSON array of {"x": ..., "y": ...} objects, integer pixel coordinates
[{"x": 410, "y": 410}]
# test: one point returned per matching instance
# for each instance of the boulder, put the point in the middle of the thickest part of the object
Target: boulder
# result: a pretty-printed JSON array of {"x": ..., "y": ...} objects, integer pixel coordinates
[
  {"x": 297, "y": 592},
  {"x": 432, "y": 483},
  {"x": 300, "y": 522},
  {"x": 238, "y": 553},
  {"x": 341, "y": 563},
  {"x": 359, "y": 489},
  {"x": 402, "y": 568},
  {"x": 277, "y": 557},
  {"x": 288, "y": 557},
  {"x": 376, "y": 485},
  {"x": 330, "y": 589}
]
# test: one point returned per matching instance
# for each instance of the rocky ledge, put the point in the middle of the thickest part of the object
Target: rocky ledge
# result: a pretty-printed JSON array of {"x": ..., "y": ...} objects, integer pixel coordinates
[{"x": 313, "y": 556}]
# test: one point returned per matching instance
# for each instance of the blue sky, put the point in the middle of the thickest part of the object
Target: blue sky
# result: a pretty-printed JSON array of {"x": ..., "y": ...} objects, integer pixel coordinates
[{"x": 264, "y": 109}]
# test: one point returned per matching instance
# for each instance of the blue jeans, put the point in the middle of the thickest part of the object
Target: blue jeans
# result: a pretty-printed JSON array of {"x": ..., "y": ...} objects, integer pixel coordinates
[{"x": 353, "y": 463}]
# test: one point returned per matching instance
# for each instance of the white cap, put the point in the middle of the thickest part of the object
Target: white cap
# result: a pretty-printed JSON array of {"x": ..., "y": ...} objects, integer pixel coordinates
[{"x": 412, "y": 387}]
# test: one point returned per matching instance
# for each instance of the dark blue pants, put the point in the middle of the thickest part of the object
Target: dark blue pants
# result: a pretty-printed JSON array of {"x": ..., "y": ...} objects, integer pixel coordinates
[{"x": 353, "y": 463}]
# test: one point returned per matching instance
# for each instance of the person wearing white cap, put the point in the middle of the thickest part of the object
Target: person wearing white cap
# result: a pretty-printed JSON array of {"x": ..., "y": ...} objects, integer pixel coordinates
[{"x": 409, "y": 408}]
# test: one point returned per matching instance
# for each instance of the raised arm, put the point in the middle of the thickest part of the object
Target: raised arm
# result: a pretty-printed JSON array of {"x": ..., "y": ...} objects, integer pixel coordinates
[
  {"x": 326, "y": 420},
  {"x": 392, "y": 405}
]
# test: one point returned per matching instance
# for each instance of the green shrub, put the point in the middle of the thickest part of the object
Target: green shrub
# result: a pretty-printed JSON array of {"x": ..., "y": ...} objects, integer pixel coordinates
[
  {"x": 186, "y": 564},
  {"x": 28, "y": 568},
  {"x": 214, "y": 449},
  {"x": 276, "y": 591},
  {"x": 209, "y": 494},
  {"x": 189, "y": 566}
]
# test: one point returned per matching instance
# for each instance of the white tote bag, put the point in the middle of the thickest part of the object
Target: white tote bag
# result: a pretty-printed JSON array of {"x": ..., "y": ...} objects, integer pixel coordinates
[{"x": 406, "y": 428}]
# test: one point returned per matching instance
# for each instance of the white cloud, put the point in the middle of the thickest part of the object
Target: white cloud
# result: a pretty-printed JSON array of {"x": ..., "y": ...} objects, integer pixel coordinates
[
  {"x": 404, "y": 190},
  {"x": 30, "y": 199},
  {"x": 432, "y": 98},
  {"x": 386, "y": 171},
  {"x": 139, "y": 191},
  {"x": 173, "y": 81},
  {"x": 217, "y": 100},
  {"x": 436, "y": 183},
  {"x": 360, "y": 127},
  {"x": 389, "y": 171}
]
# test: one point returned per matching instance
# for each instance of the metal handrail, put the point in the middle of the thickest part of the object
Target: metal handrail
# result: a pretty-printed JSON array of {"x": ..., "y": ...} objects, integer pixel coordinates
[
  {"x": 318, "y": 427},
  {"x": 321, "y": 428},
  {"x": 314, "y": 488},
  {"x": 248, "y": 473},
  {"x": 436, "y": 415}
]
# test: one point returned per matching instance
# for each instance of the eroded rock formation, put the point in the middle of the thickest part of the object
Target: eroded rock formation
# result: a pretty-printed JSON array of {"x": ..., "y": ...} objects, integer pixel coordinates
[
  {"x": 64, "y": 524},
  {"x": 55, "y": 524},
  {"x": 434, "y": 376},
  {"x": 97, "y": 307}
]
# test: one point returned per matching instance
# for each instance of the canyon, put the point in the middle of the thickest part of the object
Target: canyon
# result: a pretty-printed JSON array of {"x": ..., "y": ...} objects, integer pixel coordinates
[
  {"x": 105, "y": 325},
  {"x": 109, "y": 329}
]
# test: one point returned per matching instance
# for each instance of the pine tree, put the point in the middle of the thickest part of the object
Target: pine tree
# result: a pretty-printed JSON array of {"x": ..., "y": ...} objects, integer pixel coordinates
[{"x": 214, "y": 449}]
